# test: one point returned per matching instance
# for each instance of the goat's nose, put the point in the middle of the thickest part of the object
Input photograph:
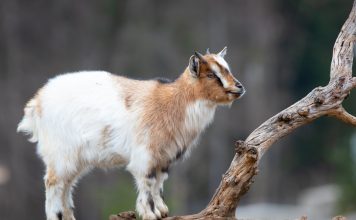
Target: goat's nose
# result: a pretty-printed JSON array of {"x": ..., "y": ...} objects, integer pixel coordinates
[
  {"x": 240, "y": 88},
  {"x": 238, "y": 85}
]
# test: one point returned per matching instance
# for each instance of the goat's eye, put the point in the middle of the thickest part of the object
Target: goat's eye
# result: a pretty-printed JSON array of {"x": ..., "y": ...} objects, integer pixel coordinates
[{"x": 211, "y": 75}]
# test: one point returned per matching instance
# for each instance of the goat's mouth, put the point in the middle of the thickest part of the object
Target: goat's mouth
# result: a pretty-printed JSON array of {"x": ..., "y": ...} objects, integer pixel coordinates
[{"x": 236, "y": 94}]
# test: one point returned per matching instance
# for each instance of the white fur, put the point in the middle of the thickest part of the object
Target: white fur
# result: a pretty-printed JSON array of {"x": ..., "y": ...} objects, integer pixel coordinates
[
  {"x": 221, "y": 77},
  {"x": 222, "y": 62},
  {"x": 198, "y": 116},
  {"x": 75, "y": 111},
  {"x": 28, "y": 123}
]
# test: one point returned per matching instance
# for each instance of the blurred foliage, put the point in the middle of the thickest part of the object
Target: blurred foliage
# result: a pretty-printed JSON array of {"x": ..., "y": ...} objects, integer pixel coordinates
[
  {"x": 328, "y": 150},
  {"x": 341, "y": 156},
  {"x": 117, "y": 198}
]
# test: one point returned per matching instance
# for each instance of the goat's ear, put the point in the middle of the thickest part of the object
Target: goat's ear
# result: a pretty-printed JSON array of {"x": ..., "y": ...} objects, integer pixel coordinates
[
  {"x": 222, "y": 53},
  {"x": 194, "y": 65}
]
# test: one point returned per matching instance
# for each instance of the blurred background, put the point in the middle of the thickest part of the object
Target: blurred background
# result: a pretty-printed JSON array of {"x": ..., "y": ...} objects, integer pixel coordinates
[{"x": 279, "y": 49}]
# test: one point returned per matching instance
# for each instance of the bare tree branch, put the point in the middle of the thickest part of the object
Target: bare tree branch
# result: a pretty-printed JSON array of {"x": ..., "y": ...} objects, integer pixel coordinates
[
  {"x": 353, "y": 82},
  {"x": 339, "y": 218},
  {"x": 320, "y": 101},
  {"x": 341, "y": 64},
  {"x": 343, "y": 115}
]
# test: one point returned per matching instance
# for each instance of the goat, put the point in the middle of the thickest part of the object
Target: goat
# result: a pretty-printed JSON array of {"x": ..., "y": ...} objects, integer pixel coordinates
[{"x": 94, "y": 119}]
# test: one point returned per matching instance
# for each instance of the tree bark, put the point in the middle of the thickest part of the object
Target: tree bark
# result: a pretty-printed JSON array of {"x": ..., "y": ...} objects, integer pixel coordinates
[{"x": 321, "y": 101}]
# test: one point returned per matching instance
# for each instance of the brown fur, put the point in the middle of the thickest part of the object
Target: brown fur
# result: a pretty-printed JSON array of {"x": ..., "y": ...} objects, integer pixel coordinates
[
  {"x": 164, "y": 115},
  {"x": 165, "y": 106},
  {"x": 135, "y": 90},
  {"x": 128, "y": 101},
  {"x": 114, "y": 161},
  {"x": 105, "y": 135},
  {"x": 35, "y": 103},
  {"x": 51, "y": 178},
  {"x": 210, "y": 88},
  {"x": 38, "y": 102}
]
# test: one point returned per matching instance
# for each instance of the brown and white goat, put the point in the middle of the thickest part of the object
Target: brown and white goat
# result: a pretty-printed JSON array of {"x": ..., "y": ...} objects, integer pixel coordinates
[{"x": 96, "y": 119}]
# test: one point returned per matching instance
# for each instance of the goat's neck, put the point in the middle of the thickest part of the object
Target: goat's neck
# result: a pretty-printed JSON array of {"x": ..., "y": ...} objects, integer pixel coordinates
[{"x": 182, "y": 97}]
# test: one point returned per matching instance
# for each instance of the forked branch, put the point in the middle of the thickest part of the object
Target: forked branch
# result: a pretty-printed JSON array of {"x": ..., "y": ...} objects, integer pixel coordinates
[{"x": 344, "y": 116}]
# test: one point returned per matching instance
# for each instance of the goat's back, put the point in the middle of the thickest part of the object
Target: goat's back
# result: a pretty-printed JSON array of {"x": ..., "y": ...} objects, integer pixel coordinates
[{"x": 78, "y": 112}]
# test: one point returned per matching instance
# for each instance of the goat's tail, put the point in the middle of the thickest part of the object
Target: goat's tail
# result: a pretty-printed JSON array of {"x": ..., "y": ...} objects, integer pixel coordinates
[{"x": 28, "y": 124}]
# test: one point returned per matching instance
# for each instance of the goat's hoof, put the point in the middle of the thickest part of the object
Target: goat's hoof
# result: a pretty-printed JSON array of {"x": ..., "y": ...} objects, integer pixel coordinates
[
  {"x": 149, "y": 216},
  {"x": 163, "y": 209},
  {"x": 164, "y": 212},
  {"x": 158, "y": 214}
]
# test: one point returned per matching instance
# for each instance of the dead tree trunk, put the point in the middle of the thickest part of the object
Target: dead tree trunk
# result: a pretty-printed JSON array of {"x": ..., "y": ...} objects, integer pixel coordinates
[{"x": 322, "y": 101}]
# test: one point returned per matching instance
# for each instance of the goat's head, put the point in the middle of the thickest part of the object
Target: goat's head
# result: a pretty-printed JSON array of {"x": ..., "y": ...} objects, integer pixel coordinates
[{"x": 214, "y": 78}]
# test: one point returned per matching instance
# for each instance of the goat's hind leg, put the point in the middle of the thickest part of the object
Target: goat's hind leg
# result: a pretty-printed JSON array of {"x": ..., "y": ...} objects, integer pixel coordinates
[
  {"x": 68, "y": 209},
  {"x": 58, "y": 187}
]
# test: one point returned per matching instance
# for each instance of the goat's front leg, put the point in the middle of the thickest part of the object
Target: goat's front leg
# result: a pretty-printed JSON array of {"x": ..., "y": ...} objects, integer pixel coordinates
[
  {"x": 146, "y": 180},
  {"x": 162, "y": 175},
  {"x": 145, "y": 204}
]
